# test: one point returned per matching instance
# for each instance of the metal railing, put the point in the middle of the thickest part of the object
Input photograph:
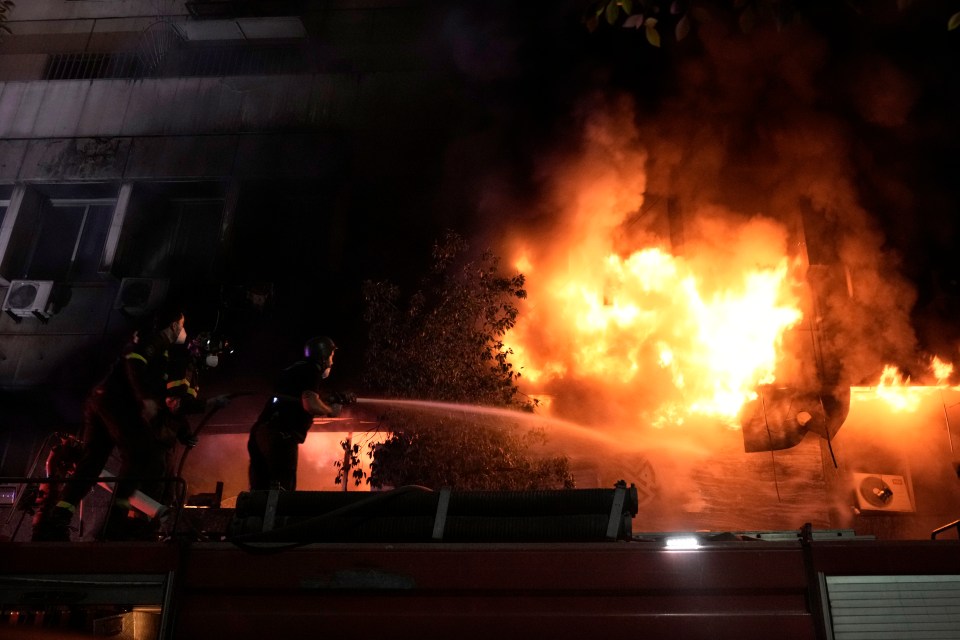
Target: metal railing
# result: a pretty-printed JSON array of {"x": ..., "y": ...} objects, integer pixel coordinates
[{"x": 953, "y": 525}]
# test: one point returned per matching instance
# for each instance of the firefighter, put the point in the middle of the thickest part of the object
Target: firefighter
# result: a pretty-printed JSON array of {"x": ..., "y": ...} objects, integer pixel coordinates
[
  {"x": 121, "y": 412},
  {"x": 181, "y": 400},
  {"x": 286, "y": 418},
  {"x": 62, "y": 459}
]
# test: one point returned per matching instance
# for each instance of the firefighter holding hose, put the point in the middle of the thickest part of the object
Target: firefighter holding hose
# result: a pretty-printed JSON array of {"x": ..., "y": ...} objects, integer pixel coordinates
[{"x": 287, "y": 415}]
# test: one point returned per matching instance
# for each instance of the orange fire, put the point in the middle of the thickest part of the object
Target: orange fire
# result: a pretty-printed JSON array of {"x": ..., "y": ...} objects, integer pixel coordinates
[
  {"x": 897, "y": 392},
  {"x": 650, "y": 313},
  {"x": 671, "y": 338}
]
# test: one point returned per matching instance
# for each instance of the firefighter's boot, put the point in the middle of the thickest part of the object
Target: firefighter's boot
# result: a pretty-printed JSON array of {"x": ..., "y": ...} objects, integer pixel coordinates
[
  {"x": 125, "y": 524},
  {"x": 52, "y": 525}
]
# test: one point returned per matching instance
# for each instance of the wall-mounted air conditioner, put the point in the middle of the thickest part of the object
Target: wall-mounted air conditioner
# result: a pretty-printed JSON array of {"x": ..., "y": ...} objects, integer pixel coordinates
[
  {"x": 138, "y": 296},
  {"x": 883, "y": 492},
  {"x": 29, "y": 298}
]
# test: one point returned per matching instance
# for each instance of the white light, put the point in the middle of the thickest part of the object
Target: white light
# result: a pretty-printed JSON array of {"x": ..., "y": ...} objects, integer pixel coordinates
[{"x": 682, "y": 542}]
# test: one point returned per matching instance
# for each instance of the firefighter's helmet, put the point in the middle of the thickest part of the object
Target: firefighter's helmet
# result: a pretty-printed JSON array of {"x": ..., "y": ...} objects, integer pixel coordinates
[{"x": 319, "y": 349}]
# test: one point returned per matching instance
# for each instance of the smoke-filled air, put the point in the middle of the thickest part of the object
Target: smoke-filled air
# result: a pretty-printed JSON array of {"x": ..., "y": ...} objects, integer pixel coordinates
[{"x": 678, "y": 260}]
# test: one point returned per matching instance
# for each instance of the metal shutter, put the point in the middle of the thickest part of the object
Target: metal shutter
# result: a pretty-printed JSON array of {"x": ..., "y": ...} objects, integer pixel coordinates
[{"x": 894, "y": 607}]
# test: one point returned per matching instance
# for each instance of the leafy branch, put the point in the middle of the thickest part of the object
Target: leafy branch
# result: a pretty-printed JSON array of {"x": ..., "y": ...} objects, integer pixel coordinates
[
  {"x": 446, "y": 342},
  {"x": 659, "y": 17}
]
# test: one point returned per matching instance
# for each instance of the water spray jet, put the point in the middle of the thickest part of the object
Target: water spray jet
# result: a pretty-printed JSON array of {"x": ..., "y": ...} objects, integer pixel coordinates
[{"x": 497, "y": 412}]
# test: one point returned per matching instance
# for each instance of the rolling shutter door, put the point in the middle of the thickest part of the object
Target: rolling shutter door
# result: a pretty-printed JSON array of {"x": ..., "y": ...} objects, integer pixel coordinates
[{"x": 894, "y": 607}]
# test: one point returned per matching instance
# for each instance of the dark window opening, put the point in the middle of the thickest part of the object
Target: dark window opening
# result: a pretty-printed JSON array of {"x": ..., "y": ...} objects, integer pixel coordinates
[
  {"x": 175, "y": 235},
  {"x": 69, "y": 240}
]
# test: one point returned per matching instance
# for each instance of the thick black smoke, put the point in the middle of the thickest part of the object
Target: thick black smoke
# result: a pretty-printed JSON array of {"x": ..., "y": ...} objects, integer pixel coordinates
[{"x": 838, "y": 125}]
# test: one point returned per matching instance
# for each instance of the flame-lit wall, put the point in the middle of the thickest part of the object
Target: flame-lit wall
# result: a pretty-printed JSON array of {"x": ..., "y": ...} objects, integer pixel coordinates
[
  {"x": 919, "y": 441},
  {"x": 699, "y": 477}
]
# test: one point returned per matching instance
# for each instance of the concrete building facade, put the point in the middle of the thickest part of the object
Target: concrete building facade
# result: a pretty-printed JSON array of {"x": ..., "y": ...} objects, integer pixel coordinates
[{"x": 197, "y": 151}]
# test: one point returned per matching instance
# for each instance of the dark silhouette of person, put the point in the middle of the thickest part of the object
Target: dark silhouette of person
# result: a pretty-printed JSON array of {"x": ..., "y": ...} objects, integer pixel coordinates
[{"x": 285, "y": 420}]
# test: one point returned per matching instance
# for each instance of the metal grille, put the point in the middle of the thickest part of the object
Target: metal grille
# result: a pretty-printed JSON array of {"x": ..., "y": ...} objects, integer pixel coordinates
[
  {"x": 210, "y": 61},
  {"x": 89, "y": 66}
]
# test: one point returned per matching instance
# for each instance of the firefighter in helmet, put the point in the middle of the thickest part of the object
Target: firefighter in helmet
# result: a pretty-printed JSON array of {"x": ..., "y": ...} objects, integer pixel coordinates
[
  {"x": 286, "y": 418},
  {"x": 121, "y": 413}
]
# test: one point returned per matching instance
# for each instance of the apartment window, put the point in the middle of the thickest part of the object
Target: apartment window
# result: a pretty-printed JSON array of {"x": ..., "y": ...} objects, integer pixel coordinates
[
  {"x": 70, "y": 239},
  {"x": 192, "y": 236},
  {"x": 172, "y": 232},
  {"x": 60, "y": 231}
]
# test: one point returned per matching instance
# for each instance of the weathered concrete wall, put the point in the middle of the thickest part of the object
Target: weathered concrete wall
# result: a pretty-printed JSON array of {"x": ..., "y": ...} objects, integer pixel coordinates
[
  {"x": 365, "y": 94},
  {"x": 178, "y": 106}
]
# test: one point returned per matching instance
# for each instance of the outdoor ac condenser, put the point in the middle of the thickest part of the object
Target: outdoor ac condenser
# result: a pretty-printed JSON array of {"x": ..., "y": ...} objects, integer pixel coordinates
[
  {"x": 140, "y": 295},
  {"x": 27, "y": 298},
  {"x": 883, "y": 492}
]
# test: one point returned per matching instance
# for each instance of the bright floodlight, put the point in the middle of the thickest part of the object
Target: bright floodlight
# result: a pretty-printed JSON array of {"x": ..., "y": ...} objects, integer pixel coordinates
[{"x": 682, "y": 542}]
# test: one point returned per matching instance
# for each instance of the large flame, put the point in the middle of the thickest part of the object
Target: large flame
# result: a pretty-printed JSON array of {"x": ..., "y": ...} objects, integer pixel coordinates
[
  {"x": 654, "y": 313},
  {"x": 651, "y": 318},
  {"x": 897, "y": 391}
]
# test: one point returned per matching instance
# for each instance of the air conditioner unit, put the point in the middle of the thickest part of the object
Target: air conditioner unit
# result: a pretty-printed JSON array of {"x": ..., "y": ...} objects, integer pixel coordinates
[
  {"x": 883, "y": 492},
  {"x": 140, "y": 295},
  {"x": 28, "y": 298}
]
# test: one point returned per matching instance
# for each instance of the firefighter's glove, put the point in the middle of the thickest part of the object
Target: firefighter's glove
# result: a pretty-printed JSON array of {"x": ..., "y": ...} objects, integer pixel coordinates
[
  {"x": 187, "y": 439},
  {"x": 343, "y": 397}
]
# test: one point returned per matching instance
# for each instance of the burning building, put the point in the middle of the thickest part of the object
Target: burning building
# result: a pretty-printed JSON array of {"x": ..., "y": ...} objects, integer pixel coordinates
[
  {"x": 715, "y": 313},
  {"x": 715, "y": 269},
  {"x": 706, "y": 278}
]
